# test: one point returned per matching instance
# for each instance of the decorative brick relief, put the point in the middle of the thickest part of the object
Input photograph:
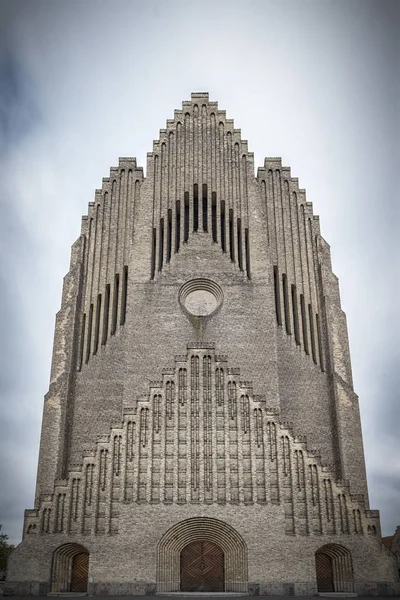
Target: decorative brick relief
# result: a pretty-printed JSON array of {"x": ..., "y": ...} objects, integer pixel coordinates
[
  {"x": 46, "y": 515},
  {"x": 195, "y": 439}
]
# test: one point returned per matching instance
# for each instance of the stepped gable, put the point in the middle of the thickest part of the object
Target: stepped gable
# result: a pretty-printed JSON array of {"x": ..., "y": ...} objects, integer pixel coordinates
[{"x": 202, "y": 408}]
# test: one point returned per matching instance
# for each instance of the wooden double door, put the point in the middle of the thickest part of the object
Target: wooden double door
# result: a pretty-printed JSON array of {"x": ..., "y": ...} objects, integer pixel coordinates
[{"x": 202, "y": 567}]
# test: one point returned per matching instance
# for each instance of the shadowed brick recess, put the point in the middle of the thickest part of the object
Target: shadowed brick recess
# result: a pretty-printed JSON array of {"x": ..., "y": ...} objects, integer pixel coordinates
[{"x": 201, "y": 431}]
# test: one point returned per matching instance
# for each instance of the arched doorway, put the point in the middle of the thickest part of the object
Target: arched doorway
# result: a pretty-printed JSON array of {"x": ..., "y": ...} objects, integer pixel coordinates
[
  {"x": 334, "y": 569},
  {"x": 70, "y": 569},
  {"x": 226, "y": 546},
  {"x": 202, "y": 567}
]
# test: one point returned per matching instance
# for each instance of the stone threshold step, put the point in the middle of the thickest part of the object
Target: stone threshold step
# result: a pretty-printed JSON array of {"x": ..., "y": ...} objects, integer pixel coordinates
[
  {"x": 338, "y": 594},
  {"x": 204, "y": 594},
  {"x": 66, "y": 594}
]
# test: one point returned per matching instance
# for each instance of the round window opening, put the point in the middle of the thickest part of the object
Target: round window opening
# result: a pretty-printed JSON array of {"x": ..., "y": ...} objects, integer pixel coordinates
[{"x": 200, "y": 297}]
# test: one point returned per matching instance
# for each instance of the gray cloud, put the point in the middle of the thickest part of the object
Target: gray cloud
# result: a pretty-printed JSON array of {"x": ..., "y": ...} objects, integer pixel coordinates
[
  {"x": 17, "y": 108},
  {"x": 83, "y": 83}
]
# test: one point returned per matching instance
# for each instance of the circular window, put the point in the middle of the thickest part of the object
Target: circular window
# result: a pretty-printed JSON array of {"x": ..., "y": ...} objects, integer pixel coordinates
[{"x": 200, "y": 297}]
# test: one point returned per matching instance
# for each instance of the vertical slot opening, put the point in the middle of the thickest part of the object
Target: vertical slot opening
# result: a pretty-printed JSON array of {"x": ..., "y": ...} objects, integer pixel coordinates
[
  {"x": 239, "y": 243},
  {"x": 186, "y": 217},
  {"x": 106, "y": 314},
  {"x": 89, "y": 335},
  {"x": 286, "y": 303},
  {"x": 161, "y": 245},
  {"x": 195, "y": 207},
  {"x": 223, "y": 238},
  {"x": 169, "y": 235},
  {"x": 214, "y": 216},
  {"x": 321, "y": 356},
  {"x": 277, "y": 297},
  {"x": 177, "y": 226},
  {"x": 312, "y": 333},
  {"x": 153, "y": 253},
  {"x": 82, "y": 345},
  {"x": 231, "y": 240},
  {"x": 115, "y": 305},
  {"x": 247, "y": 248},
  {"x": 124, "y": 295},
  {"x": 295, "y": 316},
  {"x": 205, "y": 208},
  {"x": 97, "y": 325},
  {"x": 304, "y": 324}
]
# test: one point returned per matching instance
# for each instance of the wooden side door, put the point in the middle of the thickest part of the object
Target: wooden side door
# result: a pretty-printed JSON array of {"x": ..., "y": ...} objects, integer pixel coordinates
[
  {"x": 80, "y": 571},
  {"x": 323, "y": 564}
]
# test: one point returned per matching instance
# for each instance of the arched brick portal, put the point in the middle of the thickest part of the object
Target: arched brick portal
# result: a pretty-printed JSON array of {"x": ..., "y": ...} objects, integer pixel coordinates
[
  {"x": 334, "y": 569},
  {"x": 201, "y": 529},
  {"x": 69, "y": 572}
]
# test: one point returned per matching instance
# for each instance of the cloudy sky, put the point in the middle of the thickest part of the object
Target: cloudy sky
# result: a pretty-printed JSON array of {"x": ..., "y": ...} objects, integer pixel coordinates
[{"x": 84, "y": 82}]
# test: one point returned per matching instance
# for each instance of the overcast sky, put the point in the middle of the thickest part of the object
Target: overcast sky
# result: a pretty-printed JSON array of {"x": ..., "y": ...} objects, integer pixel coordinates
[{"x": 84, "y": 82}]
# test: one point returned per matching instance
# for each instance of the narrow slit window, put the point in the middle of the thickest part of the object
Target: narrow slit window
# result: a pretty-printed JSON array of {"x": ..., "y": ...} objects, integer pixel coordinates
[
  {"x": 161, "y": 246},
  {"x": 304, "y": 323},
  {"x": 214, "y": 216},
  {"x": 89, "y": 335},
  {"x": 312, "y": 334},
  {"x": 247, "y": 247},
  {"x": 295, "y": 316},
  {"x": 169, "y": 235},
  {"x": 115, "y": 305},
  {"x": 195, "y": 207},
  {"x": 205, "y": 208},
  {"x": 277, "y": 297},
  {"x": 231, "y": 237},
  {"x": 239, "y": 243},
  {"x": 106, "y": 314},
  {"x": 153, "y": 253},
  {"x": 186, "y": 224},
  {"x": 178, "y": 226},
  {"x": 321, "y": 356},
  {"x": 286, "y": 303},
  {"x": 223, "y": 234},
  {"x": 82, "y": 342},
  {"x": 124, "y": 295},
  {"x": 97, "y": 325}
]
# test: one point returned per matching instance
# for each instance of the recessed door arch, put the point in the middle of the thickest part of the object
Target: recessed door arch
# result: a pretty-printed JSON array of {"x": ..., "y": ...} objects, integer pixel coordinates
[
  {"x": 70, "y": 569},
  {"x": 334, "y": 569},
  {"x": 201, "y": 529}
]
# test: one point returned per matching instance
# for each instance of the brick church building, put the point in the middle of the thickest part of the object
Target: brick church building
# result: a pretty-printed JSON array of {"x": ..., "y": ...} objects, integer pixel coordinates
[{"x": 201, "y": 431}]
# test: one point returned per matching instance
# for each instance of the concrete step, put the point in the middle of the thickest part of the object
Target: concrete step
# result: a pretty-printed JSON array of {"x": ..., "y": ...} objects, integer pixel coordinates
[
  {"x": 338, "y": 594},
  {"x": 204, "y": 594},
  {"x": 66, "y": 594}
]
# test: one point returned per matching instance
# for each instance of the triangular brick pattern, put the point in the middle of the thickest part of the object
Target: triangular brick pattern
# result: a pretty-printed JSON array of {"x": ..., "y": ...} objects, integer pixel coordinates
[
  {"x": 201, "y": 436},
  {"x": 202, "y": 161}
]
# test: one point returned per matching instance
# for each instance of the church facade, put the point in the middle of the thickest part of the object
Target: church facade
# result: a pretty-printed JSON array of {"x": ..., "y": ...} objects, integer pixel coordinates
[{"x": 201, "y": 431}]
